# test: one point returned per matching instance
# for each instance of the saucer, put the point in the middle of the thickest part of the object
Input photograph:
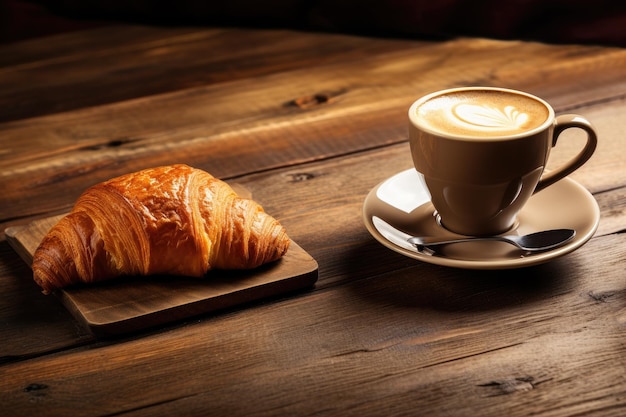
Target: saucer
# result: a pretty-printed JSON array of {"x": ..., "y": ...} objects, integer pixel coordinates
[{"x": 400, "y": 207}]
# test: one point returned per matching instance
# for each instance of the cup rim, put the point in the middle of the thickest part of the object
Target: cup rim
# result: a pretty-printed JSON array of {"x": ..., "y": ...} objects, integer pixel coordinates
[{"x": 415, "y": 121}]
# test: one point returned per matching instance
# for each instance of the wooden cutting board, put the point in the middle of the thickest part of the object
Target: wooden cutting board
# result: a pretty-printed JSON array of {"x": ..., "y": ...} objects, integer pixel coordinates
[{"x": 130, "y": 304}]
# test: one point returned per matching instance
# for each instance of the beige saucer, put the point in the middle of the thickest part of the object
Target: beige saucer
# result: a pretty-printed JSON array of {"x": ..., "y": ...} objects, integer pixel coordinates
[{"x": 400, "y": 207}]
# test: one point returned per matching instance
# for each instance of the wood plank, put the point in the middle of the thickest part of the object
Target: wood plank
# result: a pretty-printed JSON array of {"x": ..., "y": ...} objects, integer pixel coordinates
[
  {"x": 210, "y": 128},
  {"x": 138, "y": 61},
  {"x": 345, "y": 85},
  {"x": 425, "y": 338}
]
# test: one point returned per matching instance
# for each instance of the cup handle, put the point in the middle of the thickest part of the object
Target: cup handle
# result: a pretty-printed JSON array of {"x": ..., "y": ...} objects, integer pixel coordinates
[{"x": 563, "y": 122}]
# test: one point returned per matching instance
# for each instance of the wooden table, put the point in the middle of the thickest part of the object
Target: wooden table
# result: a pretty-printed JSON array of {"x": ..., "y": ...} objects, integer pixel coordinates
[{"x": 309, "y": 124}]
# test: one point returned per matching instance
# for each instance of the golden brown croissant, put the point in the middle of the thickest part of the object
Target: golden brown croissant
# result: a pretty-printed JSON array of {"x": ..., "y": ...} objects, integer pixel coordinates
[{"x": 169, "y": 220}]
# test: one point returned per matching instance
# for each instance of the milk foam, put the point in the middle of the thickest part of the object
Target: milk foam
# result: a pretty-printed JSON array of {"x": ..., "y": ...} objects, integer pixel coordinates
[{"x": 482, "y": 113}]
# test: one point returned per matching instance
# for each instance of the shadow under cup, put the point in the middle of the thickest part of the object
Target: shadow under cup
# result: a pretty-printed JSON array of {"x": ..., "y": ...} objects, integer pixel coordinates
[{"x": 481, "y": 152}]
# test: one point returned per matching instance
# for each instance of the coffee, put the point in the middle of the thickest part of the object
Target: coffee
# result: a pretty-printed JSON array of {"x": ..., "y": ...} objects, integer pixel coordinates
[{"x": 482, "y": 113}]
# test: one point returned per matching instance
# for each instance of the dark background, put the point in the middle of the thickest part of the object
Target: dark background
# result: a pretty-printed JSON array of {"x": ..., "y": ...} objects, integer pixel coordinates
[{"x": 600, "y": 22}]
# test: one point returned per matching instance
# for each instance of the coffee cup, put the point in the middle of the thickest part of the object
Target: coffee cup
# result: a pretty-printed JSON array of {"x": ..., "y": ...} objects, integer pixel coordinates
[{"x": 481, "y": 153}]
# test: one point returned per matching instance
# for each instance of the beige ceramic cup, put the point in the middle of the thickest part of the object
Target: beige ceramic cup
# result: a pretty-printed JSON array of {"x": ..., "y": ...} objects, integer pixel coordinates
[{"x": 481, "y": 152}]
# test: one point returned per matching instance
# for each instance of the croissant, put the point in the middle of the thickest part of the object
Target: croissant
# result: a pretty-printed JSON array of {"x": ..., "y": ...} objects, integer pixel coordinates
[{"x": 174, "y": 220}]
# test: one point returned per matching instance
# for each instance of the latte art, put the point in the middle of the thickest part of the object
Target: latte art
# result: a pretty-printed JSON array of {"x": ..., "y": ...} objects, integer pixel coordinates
[
  {"x": 489, "y": 117},
  {"x": 482, "y": 113}
]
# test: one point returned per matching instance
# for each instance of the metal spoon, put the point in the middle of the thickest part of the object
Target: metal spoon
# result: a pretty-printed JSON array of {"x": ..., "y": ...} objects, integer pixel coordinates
[{"x": 534, "y": 242}]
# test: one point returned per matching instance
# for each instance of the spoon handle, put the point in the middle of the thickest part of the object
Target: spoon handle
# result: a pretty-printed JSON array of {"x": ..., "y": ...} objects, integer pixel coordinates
[{"x": 429, "y": 241}]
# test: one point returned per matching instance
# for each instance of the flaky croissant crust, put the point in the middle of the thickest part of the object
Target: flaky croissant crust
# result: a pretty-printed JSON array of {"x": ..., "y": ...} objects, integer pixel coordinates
[{"x": 174, "y": 220}]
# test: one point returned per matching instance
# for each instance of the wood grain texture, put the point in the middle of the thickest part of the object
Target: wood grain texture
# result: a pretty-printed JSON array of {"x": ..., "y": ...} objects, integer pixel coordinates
[
  {"x": 422, "y": 338},
  {"x": 113, "y": 64},
  {"x": 279, "y": 118},
  {"x": 310, "y": 127}
]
